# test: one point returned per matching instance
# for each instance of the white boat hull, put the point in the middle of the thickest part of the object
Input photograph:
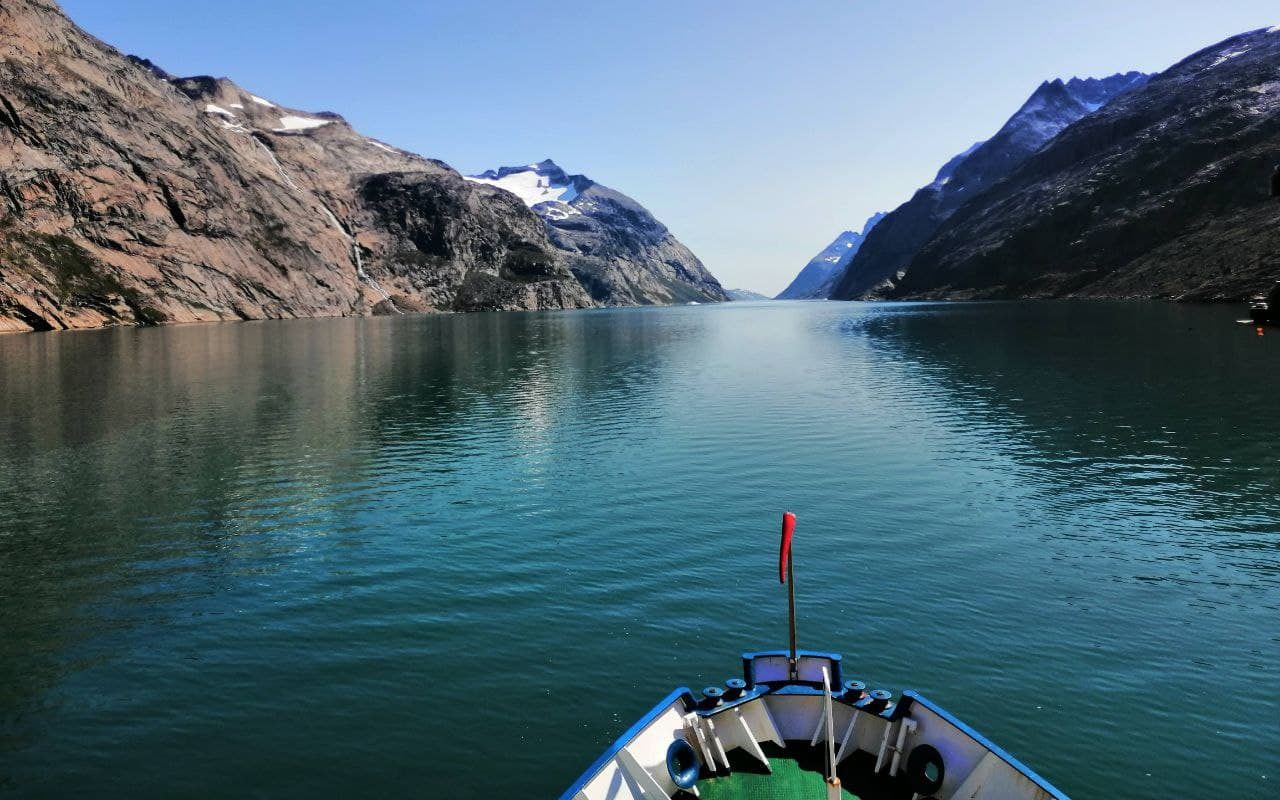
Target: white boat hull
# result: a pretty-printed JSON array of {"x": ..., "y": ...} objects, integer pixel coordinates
[{"x": 783, "y": 715}]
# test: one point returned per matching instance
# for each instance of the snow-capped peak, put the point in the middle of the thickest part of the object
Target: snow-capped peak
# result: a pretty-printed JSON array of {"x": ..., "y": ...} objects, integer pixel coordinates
[
  {"x": 543, "y": 182},
  {"x": 1057, "y": 104}
]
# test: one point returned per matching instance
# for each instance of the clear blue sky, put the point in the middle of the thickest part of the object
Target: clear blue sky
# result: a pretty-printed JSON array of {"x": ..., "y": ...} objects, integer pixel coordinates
[{"x": 756, "y": 131}]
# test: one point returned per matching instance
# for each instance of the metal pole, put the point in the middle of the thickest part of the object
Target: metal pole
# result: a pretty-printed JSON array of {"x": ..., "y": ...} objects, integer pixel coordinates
[
  {"x": 791, "y": 607},
  {"x": 833, "y": 780}
]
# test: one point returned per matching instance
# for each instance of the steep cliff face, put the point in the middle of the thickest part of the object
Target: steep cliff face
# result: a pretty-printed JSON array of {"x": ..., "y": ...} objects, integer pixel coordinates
[
  {"x": 127, "y": 196},
  {"x": 1047, "y": 112},
  {"x": 615, "y": 247},
  {"x": 1161, "y": 193},
  {"x": 817, "y": 279}
]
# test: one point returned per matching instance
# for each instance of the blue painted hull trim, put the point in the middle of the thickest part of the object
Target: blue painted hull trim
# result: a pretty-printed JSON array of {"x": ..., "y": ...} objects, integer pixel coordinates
[
  {"x": 640, "y": 724},
  {"x": 916, "y": 697}
]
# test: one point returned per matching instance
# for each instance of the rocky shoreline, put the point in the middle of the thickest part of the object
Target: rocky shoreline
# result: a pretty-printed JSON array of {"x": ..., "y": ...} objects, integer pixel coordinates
[{"x": 130, "y": 197}]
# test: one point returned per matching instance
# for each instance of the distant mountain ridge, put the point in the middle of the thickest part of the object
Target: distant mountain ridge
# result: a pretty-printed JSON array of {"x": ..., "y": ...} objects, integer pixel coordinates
[
  {"x": 611, "y": 243},
  {"x": 899, "y": 237},
  {"x": 746, "y": 295},
  {"x": 1161, "y": 193},
  {"x": 818, "y": 277}
]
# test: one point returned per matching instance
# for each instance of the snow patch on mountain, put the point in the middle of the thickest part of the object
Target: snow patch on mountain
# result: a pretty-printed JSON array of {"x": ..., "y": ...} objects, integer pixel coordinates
[
  {"x": 212, "y": 109},
  {"x": 557, "y": 211},
  {"x": 1225, "y": 57},
  {"x": 289, "y": 122},
  {"x": 529, "y": 184},
  {"x": 236, "y": 127},
  {"x": 262, "y": 102}
]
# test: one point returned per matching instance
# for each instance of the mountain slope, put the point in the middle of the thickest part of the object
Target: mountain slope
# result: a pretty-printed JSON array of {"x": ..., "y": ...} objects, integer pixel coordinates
[
  {"x": 816, "y": 280},
  {"x": 897, "y": 240},
  {"x": 130, "y": 197},
  {"x": 615, "y": 247},
  {"x": 1161, "y": 193}
]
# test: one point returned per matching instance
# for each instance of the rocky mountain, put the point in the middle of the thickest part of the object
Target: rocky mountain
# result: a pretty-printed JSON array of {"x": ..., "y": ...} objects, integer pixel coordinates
[
  {"x": 129, "y": 196},
  {"x": 746, "y": 295},
  {"x": 817, "y": 279},
  {"x": 1163, "y": 192},
  {"x": 613, "y": 245},
  {"x": 900, "y": 236}
]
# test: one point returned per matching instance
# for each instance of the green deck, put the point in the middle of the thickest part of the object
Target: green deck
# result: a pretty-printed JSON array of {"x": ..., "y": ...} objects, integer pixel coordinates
[
  {"x": 788, "y": 782},
  {"x": 798, "y": 775}
]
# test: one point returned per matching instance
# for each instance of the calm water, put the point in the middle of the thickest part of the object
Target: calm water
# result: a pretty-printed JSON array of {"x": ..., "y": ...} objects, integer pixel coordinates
[{"x": 454, "y": 556}]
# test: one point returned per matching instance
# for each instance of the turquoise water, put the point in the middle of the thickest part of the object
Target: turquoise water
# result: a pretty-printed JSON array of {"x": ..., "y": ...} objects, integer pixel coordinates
[{"x": 455, "y": 556}]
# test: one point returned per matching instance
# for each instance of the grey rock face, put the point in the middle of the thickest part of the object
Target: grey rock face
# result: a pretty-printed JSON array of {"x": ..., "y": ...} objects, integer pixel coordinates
[
  {"x": 817, "y": 280},
  {"x": 130, "y": 197},
  {"x": 1162, "y": 193},
  {"x": 617, "y": 249},
  {"x": 896, "y": 241}
]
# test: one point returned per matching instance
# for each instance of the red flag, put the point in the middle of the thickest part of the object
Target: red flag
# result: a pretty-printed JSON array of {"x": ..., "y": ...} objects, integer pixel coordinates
[{"x": 784, "y": 553}]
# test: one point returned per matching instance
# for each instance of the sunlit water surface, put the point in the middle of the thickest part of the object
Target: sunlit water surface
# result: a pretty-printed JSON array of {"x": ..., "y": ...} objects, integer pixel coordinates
[{"x": 455, "y": 556}]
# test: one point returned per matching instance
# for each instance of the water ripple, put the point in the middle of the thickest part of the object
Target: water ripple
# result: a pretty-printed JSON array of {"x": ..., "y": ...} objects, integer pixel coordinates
[{"x": 293, "y": 558}]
